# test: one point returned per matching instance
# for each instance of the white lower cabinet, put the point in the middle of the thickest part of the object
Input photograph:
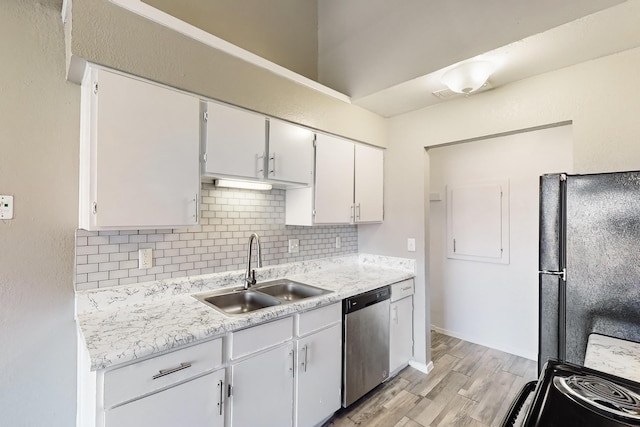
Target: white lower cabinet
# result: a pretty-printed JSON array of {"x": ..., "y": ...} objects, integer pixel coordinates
[
  {"x": 318, "y": 379},
  {"x": 401, "y": 326},
  {"x": 281, "y": 379},
  {"x": 283, "y": 373},
  {"x": 196, "y": 403},
  {"x": 262, "y": 389}
]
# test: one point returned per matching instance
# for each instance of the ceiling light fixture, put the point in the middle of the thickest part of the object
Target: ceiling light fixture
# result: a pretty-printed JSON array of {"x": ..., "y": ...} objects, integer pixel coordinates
[
  {"x": 246, "y": 185},
  {"x": 468, "y": 77}
]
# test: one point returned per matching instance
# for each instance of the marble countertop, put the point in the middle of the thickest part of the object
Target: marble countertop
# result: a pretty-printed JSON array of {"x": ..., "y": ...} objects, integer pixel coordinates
[
  {"x": 613, "y": 356},
  {"x": 122, "y": 324}
]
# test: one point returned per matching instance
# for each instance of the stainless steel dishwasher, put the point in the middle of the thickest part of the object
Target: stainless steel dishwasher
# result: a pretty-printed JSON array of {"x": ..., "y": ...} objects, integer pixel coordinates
[{"x": 365, "y": 356}]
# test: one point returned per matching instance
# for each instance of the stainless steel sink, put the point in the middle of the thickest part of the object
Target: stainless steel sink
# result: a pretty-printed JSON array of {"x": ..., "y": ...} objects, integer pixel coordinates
[
  {"x": 264, "y": 295},
  {"x": 288, "y": 290},
  {"x": 239, "y": 302}
]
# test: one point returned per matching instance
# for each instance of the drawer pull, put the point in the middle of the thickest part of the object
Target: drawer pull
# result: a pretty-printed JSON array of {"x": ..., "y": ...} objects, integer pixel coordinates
[
  {"x": 407, "y": 288},
  {"x": 163, "y": 372}
]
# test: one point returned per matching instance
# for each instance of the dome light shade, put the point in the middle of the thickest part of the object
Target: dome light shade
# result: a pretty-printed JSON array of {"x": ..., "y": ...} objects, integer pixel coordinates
[{"x": 468, "y": 77}]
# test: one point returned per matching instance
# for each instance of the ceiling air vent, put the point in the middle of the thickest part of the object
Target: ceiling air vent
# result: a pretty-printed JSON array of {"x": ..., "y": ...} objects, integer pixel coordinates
[{"x": 447, "y": 93}]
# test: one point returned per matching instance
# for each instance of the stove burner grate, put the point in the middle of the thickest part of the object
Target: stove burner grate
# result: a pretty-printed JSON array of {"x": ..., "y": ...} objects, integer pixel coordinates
[{"x": 600, "y": 393}]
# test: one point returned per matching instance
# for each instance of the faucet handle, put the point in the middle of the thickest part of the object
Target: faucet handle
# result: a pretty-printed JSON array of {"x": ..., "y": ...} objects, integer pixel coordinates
[{"x": 253, "y": 277}]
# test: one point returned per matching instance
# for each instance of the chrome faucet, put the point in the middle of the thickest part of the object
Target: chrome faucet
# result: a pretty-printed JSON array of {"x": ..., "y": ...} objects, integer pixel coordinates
[{"x": 250, "y": 276}]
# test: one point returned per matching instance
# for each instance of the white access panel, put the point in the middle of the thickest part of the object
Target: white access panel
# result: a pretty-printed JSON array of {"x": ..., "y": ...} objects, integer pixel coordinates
[
  {"x": 369, "y": 164},
  {"x": 478, "y": 222},
  {"x": 334, "y": 180},
  {"x": 144, "y": 154},
  {"x": 235, "y": 142},
  {"x": 290, "y": 153}
]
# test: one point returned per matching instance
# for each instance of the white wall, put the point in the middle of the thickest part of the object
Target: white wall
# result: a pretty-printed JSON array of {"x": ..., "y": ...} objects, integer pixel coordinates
[
  {"x": 39, "y": 133},
  {"x": 488, "y": 303},
  {"x": 282, "y": 31},
  {"x": 600, "y": 97}
]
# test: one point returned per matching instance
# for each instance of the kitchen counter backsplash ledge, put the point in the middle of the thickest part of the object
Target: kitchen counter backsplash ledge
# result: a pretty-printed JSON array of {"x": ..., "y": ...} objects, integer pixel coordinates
[{"x": 88, "y": 301}]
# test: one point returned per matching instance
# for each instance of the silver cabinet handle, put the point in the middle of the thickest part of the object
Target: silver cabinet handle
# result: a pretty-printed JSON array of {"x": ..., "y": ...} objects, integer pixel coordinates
[
  {"x": 260, "y": 165},
  {"x": 358, "y": 212},
  {"x": 273, "y": 158},
  {"x": 220, "y": 399},
  {"x": 292, "y": 368},
  {"x": 304, "y": 361},
  {"x": 353, "y": 213},
  {"x": 195, "y": 199},
  {"x": 163, "y": 372},
  {"x": 407, "y": 288}
]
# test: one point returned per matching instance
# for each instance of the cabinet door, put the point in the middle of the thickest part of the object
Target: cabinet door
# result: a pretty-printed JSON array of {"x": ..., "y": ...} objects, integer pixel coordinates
[
  {"x": 196, "y": 403},
  {"x": 262, "y": 389},
  {"x": 368, "y": 183},
  {"x": 334, "y": 180},
  {"x": 400, "y": 334},
  {"x": 318, "y": 380},
  {"x": 145, "y": 151},
  {"x": 235, "y": 142},
  {"x": 290, "y": 153}
]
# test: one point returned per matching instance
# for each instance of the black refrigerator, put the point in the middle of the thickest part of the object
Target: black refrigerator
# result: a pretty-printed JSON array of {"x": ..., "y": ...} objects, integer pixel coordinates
[{"x": 589, "y": 261}]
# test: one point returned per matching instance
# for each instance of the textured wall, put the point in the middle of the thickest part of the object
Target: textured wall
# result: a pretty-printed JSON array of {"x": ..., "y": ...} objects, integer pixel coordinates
[
  {"x": 494, "y": 304},
  {"x": 106, "y": 34},
  {"x": 219, "y": 243},
  {"x": 39, "y": 133},
  {"x": 282, "y": 31},
  {"x": 601, "y": 97}
]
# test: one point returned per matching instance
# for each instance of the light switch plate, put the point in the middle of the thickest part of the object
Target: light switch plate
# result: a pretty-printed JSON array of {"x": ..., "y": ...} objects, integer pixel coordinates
[
  {"x": 338, "y": 242},
  {"x": 6, "y": 207},
  {"x": 294, "y": 246},
  {"x": 145, "y": 258},
  {"x": 411, "y": 245}
]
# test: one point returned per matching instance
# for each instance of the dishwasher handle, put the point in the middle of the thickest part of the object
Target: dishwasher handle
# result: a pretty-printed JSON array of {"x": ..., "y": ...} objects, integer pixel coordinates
[{"x": 366, "y": 299}]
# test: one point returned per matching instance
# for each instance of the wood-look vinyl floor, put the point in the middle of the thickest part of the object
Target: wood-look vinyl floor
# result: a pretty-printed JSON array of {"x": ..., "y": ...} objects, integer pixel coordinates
[{"x": 470, "y": 386}]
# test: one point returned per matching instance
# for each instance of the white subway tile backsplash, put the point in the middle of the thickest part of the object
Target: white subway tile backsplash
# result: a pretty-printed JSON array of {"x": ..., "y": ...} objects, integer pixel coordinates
[{"x": 228, "y": 217}]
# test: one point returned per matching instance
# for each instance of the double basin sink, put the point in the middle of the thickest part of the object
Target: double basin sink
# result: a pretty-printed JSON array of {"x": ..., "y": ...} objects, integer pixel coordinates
[{"x": 263, "y": 295}]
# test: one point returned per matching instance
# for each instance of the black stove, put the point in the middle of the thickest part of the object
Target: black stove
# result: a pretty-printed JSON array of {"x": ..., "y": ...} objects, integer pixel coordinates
[{"x": 569, "y": 395}]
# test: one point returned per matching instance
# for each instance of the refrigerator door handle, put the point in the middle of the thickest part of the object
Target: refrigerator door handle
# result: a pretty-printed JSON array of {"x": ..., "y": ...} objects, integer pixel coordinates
[{"x": 562, "y": 274}]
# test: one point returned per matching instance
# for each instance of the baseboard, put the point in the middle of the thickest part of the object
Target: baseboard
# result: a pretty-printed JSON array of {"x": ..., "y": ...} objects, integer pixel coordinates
[
  {"x": 421, "y": 366},
  {"x": 506, "y": 349}
]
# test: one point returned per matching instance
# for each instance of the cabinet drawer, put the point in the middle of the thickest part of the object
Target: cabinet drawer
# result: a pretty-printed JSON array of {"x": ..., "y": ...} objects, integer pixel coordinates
[
  {"x": 319, "y": 318},
  {"x": 261, "y": 337},
  {"x": 129, "y": 382},
  {"x": 401, "y": 290}
]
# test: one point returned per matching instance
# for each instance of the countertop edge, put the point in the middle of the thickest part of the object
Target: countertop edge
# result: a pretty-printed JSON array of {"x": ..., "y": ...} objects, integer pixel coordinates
[{"x": 206, "y": 322}]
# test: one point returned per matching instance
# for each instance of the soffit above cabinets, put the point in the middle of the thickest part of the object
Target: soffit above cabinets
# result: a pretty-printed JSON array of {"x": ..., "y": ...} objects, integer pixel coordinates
[{"x": 389, "y": 57}]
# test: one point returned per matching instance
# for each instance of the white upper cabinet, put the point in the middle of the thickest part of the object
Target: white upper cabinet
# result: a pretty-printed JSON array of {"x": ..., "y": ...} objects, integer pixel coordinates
[
  {"x": 334, "y": 180},
  {"x": 139, "y": 154},
  {"x": 348, "y": 185},
  {"x": 235, "y": 142},
  {"x": 290, "y": 153},
  {"x": 368, "y": 184}
]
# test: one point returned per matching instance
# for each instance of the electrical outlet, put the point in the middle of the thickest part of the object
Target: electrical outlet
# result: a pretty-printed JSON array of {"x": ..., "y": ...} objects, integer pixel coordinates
[
  {"x": 6, "y": 207},
  {"x": 145, "y": 258},
  {"x": 411, "y": 245},
  {"x": 294, "y": 246},
  {"x": 338, "y": 242}
]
